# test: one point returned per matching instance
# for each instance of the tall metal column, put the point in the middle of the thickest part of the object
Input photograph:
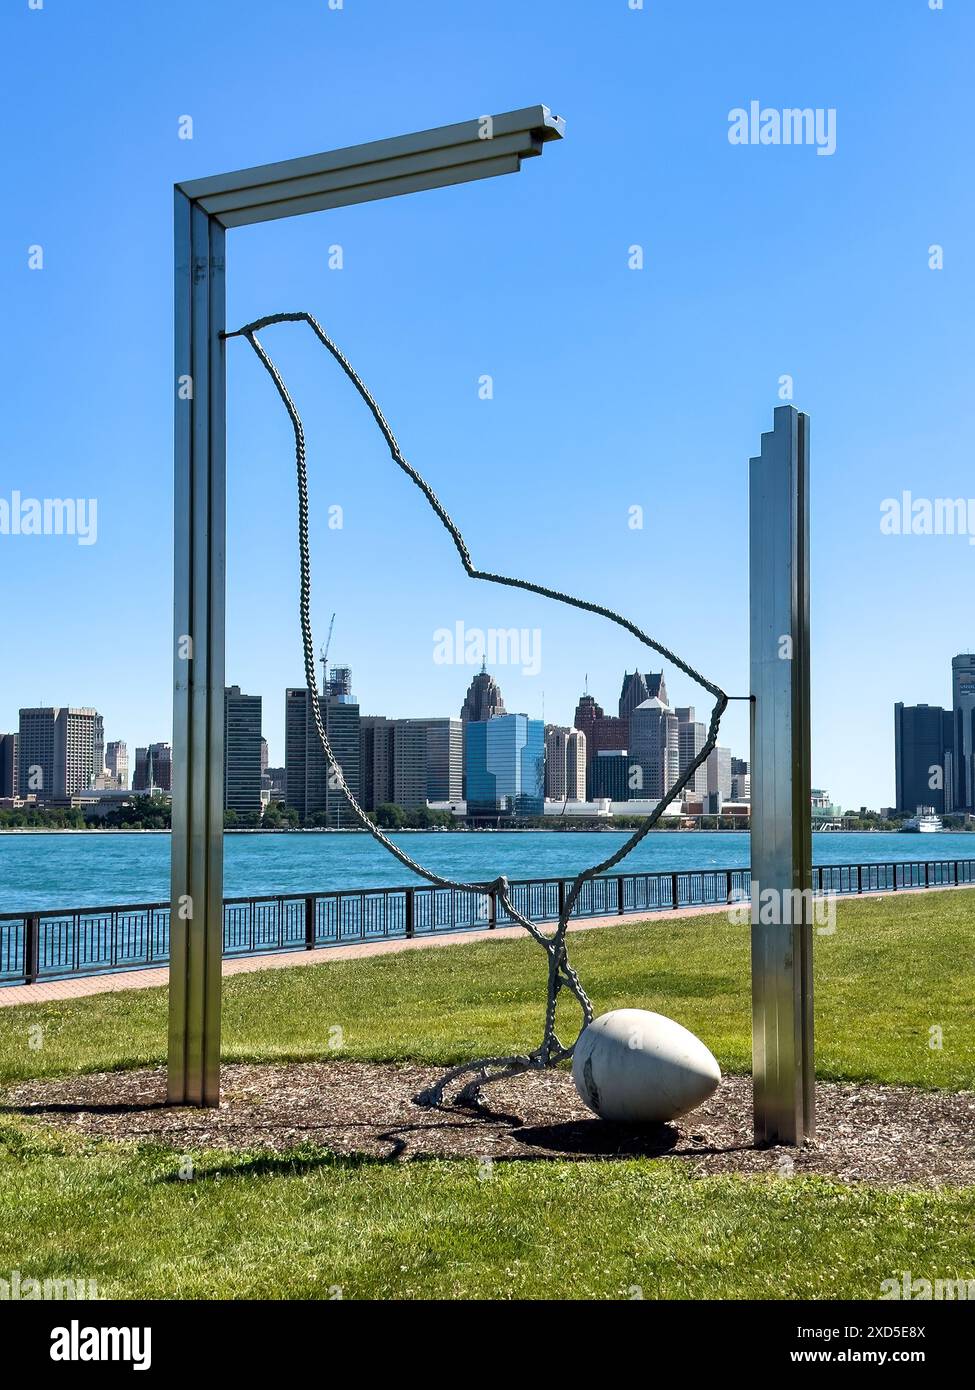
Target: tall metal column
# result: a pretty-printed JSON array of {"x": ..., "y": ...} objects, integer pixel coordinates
[
  {"x": 426, "y": 159},
  {"x": 196, "y": 915},
  {"x": 781, "y": 818}
]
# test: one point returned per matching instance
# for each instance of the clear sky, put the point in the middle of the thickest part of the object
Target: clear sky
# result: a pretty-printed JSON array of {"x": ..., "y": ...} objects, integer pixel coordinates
[{"x": 613, "y": 387}]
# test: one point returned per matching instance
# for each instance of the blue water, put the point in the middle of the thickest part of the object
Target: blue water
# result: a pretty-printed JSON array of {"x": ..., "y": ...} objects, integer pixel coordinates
[{"x": 94, "y": 869}]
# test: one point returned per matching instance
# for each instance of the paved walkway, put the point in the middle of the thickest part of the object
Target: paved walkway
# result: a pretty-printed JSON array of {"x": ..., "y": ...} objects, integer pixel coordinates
[{"x": 79, "y": 987}]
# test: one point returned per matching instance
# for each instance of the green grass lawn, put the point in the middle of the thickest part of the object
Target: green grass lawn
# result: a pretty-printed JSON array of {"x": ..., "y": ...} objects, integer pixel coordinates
[{"x": 305, "y": 1224}]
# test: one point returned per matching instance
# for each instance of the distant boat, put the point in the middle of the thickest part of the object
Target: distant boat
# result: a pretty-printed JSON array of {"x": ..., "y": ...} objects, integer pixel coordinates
[{"x": 926, "y": 822}]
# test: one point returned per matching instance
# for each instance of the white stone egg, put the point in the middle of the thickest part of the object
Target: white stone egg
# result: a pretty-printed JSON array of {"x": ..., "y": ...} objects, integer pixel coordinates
[{"x": 636, "y": 1067}]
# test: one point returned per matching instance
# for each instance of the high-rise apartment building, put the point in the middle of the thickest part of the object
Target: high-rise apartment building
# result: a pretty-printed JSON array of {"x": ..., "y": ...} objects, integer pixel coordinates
[
  {"x": 410, "y": 761},
  {"x": 9, "y": 783},
  {"x": 963, "y": 711},
  {"x": 241, "y": 751},
  {"x": 375, "y": 761},
  {"x": 654, "y": 748},
  {"x": 565, "y": 763},
  {"x": 117, "y": 763},
  {"x": 923, "y": 758},
  {"x": 308, "y": 786},
  {"x": 505, "y": 766},
  {"x": 60, "y": 751},
  {"x": 445, "y": 759}
]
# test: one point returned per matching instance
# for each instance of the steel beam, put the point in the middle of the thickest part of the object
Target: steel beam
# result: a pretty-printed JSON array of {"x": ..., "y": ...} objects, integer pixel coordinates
[
  {"x": 380, "y": 169},
  {"x": 475, "y": 149},
  {"x": 196, "y": 911},
  {"x": 781, "y": 817}
]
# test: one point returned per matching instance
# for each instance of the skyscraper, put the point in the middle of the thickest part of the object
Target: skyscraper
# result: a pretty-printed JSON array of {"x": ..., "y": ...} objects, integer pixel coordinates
[
  {"x": 483, "y": 699},
  {"x": 241, "y": 751},
  {"x": 741, "y": 782},
  {"x": 410, "y": 761},
  {"x": 604, "y": 732},
  {"x": 445, "y": 759},
  {"x": 117, "y": 763},
  {"x": 9, "y": 782},
  {"x": 60, "y": 751},
  {"x": 691, "y": 738},
  {"x": 505, "y": 766},
  {"x": 637, "y": 688},
  {"x": 923, "y": 757},
  {"x": 308, "y": 787},
  {"x": 375, "y": 761},
  {"x": 153, "y": 768},
  {"x": 963, "y": 709},
  {"x": 565, "y": 763},
  {"x": 97, "y": 749},
  {"x": 654, "y": 747},
  {"x": 610, "y": 775},
  {"x": 719, "y": 776},
  {"x": 588, "y": 711}
]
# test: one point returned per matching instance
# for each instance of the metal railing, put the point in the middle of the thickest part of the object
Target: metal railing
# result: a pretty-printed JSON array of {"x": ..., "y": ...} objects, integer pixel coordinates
[{"x": 90, "y": 940}]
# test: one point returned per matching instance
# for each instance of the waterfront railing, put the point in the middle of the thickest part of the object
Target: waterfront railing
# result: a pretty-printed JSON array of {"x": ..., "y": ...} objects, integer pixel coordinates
[{"x": 47, "y": 944}]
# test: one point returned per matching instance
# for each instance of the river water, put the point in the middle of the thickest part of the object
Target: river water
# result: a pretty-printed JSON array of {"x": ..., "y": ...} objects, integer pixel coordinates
[{"x": 96, "y": 868}]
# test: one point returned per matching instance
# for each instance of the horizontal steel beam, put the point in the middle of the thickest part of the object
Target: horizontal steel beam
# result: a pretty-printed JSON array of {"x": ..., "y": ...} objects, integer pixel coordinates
[{"x": 380, "y": 169}]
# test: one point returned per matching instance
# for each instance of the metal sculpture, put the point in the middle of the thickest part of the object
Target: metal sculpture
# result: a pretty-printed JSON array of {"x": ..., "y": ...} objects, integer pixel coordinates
[{"x": 561, "y": 975}]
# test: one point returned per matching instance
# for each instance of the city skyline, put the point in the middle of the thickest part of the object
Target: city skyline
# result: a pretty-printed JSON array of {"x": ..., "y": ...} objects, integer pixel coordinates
[
  {"x": 928, "y": 740},
  {"x": 483, "y": 699}
]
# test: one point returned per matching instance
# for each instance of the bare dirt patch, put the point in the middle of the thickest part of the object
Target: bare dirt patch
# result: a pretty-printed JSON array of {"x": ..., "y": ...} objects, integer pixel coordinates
[{"x": 866, "y": 1133}]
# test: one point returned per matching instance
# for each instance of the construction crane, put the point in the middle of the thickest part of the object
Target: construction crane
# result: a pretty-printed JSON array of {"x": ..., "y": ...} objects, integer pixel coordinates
[{"x": 324, "y": 656}]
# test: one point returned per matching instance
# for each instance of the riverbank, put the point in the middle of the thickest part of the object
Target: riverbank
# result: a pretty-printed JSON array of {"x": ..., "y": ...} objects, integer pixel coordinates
[{"x": 559, "y": 829}]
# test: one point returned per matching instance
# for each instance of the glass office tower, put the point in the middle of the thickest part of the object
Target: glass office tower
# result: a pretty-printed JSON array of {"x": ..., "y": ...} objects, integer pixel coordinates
[{"x": 505, "y": 766}]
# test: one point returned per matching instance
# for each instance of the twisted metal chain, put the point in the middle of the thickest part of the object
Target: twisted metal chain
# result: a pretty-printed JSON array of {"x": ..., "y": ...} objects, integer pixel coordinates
[{"x": 561, "y": 975}]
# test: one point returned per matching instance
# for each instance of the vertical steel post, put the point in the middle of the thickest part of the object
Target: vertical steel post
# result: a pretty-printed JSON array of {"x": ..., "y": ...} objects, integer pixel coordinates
[
  {"x": 196, "y": 917},
  {"x": 781, "y": 819}
]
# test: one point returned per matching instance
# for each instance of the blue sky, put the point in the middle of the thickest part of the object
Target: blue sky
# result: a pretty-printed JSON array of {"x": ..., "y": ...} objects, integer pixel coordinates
[{"x": 613, "y": 388}]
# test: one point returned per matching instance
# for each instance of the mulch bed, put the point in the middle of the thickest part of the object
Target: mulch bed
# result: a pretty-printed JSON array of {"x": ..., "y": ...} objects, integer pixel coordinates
[{"x": 866, "y": 1133}]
